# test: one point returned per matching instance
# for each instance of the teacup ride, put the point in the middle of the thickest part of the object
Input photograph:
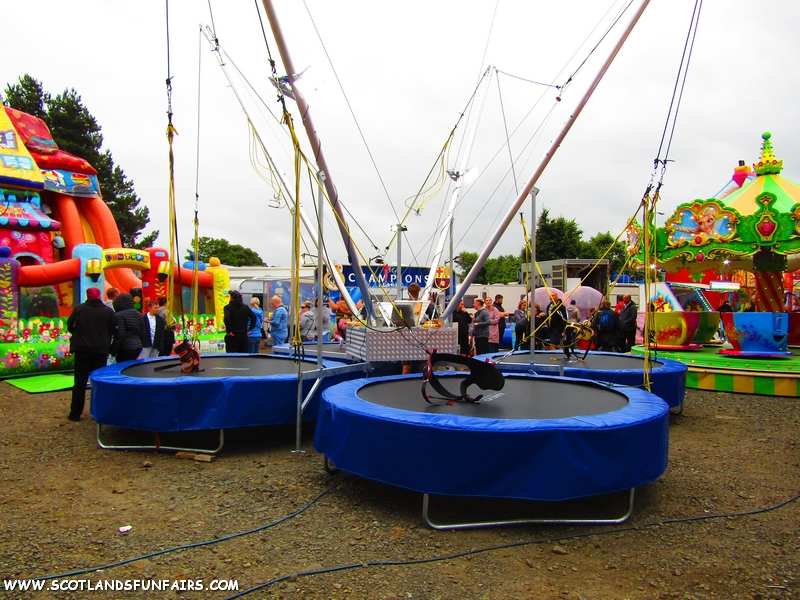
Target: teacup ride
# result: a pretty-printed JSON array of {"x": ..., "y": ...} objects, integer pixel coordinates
[
  {"x": 707, "y": 329},
  {"x": 754, "y": 335},
  {"x": 793, "y": 335},
  {"x": 678, "y": 330}
]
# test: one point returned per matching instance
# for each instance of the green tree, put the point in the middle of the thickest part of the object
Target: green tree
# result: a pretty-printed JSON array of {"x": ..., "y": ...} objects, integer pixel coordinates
[
  {"x": 76, "y": 131},
  {"x": 123, "y": 202},
  {"x": 616, "y": 256},
  {"x": 502, "y": 269},
  {"x": 28, "y": 96},
  {"x": 465, "y": 261},
  {"x": 232, "y": 255},
  {"x": 74, "y": 128},
  {"x": 558, "y": 238}
]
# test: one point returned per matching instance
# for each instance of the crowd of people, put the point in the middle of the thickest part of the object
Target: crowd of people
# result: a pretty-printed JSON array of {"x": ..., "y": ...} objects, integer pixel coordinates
[{"x": 558, "y": 325}]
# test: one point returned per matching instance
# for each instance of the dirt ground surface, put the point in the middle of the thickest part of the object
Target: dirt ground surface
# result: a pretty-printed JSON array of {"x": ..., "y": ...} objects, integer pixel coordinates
[{"x": 711, "y": 527}]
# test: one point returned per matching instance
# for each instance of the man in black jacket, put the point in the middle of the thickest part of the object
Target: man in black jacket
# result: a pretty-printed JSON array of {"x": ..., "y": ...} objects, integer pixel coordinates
[
  {"x": 501, "y": 324},
  {"x": 557, "y": 320},
  {"x": 92, "y": 326},
  {"x": 239, "y": 321},
  {"x": 627, "y": 318}
]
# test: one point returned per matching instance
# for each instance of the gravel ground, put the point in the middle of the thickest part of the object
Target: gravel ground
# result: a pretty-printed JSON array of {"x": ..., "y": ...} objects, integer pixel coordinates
[{"x": 63, "y": 501}]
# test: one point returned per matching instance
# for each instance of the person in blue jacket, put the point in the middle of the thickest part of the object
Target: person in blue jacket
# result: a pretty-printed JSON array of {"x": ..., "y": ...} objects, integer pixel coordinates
[
  {"x": 278, "y": 321},
  {"x": 255, "y": 335}
]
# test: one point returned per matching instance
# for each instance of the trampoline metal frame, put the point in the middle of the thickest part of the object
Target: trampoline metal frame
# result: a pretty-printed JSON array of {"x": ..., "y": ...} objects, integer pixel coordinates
[
  {"x": 532, "y": 521},
  {"x": 331, "y": 469},
  {"x": 318, "y": 375},
  {"x": 157, "y": 446}
]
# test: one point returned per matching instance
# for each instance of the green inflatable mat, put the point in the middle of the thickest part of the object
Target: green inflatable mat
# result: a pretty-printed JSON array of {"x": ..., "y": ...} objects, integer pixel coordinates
[{"x": 38, "y": 384}]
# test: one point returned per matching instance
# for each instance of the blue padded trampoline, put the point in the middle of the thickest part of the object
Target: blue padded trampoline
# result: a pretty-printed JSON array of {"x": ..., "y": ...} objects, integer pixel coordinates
[
  {"x": 231, "y": 390},
  {"x": 539, "y": 438},
  {"x": 667, "y": 377}
]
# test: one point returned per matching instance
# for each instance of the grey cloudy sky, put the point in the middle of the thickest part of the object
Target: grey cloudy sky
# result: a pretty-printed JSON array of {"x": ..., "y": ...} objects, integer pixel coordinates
[{"x": 407, "y": 70}]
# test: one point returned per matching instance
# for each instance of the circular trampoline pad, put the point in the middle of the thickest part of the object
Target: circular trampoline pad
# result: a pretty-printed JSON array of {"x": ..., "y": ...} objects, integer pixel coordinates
[
  {"x": 539, "y": 438},
  {"x": 520, "y": 398},
  {"x": 221, "y": 365},
  {"x": 231, "y": 390},
  {"x": 667, "y": 377},
  {"x": 593, "y": 361}
]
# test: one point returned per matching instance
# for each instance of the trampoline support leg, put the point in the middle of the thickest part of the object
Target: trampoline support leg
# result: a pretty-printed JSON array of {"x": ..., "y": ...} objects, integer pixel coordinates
[
  {"x": 330, "y": 467},
  {"x": 105, "y": 446},
  {"x": 480, "y": 524},
  {"x": 301, "y": 406}
]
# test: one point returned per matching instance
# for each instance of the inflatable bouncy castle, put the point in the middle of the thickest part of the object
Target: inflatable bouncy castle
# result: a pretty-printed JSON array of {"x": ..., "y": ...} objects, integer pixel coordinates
[{"x": 57, "y": 239}]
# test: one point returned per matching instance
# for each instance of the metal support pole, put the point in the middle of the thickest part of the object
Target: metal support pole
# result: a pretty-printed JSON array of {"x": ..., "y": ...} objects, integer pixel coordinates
[
  {"x": 320, "y": 307},
  {"x": 452, "y": 267},
  {"x": 399, "y": 228},
  {"x": 533, "y": 271}
]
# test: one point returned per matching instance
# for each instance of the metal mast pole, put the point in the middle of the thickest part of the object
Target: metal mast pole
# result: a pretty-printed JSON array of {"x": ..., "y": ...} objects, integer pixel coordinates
[
  {"x": 532, "y": 269},
  {"x": 458, "y": 177},
  {"x": 316, "y": 147},
  {"x": 399, "y": 228},
  {"x": 320, "y": 307},
  {"x": 544, "y": 162},
  {"x": 452, "y": 263}
]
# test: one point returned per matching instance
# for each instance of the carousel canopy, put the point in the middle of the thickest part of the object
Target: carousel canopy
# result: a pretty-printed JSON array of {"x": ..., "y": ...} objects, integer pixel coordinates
[{"x": 753, "y": 228}]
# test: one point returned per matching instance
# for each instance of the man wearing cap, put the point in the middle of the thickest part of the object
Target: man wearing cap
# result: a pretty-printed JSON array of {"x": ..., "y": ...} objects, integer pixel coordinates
[
  {"x": 239, "y": 322},
  {"x": 92, "y": 327}
]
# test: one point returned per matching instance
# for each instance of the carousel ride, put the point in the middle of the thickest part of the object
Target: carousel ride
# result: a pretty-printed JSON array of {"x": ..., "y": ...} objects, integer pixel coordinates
[{"x": 745, "y": 241}]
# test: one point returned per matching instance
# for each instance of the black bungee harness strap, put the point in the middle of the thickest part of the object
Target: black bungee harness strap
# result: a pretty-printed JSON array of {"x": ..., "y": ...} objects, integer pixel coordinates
[
  {"x": 583, "y": 331},
  {"x": 485, "y": 375},
  {"x": 298, "y": 351}
]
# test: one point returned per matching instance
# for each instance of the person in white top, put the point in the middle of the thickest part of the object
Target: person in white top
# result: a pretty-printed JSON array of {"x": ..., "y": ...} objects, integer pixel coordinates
[
  {"x": 153, "y": 331},
  {"x": 573, "y": 312}
]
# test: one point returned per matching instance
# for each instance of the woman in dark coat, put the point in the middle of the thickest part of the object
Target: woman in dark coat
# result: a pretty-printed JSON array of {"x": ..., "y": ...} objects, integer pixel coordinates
[
  {"x": 463, "y": 319},
  {"x": 128, "y": 329}
]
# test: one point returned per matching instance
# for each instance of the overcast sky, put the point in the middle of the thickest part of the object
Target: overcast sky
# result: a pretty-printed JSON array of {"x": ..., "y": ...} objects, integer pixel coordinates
[{"x": 400, "y": 74}]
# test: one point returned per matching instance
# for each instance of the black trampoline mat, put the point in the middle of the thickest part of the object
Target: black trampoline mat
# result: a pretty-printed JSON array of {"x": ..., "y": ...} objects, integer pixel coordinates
[
  {"x": 221, "y": 365},
  {"x": 601, "y": 362},
  {"x": 520, "y": 398}
]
